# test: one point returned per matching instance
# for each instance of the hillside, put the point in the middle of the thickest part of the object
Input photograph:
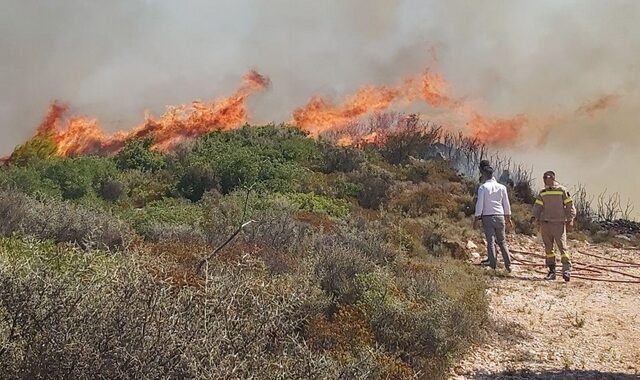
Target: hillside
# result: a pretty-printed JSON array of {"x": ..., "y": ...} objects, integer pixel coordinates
[{"x": 345, "y": 262}]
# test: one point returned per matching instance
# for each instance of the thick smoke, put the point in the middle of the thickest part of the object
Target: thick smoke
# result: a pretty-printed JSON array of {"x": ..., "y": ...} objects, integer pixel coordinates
[{"x": 113, "y": 60}]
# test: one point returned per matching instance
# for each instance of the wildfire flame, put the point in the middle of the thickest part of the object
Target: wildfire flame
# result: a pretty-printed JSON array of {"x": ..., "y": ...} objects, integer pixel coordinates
[
  {"x": 82, "y": 135},
  {"x": 319, "y": 116},
  {"x": 496, "y": 130}
]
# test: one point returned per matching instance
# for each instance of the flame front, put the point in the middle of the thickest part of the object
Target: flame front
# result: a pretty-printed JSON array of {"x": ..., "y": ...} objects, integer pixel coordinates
[
  {"x": 82, "y": 135},
  {"x": 319, "y": 116}
]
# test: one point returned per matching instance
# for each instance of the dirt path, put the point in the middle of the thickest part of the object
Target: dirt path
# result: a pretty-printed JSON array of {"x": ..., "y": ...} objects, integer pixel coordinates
[{"x": 578, "y": 330}]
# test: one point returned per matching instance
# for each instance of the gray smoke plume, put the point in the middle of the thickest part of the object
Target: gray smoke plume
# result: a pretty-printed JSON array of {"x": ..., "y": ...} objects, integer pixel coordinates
[{"x": 113, "y": 60}]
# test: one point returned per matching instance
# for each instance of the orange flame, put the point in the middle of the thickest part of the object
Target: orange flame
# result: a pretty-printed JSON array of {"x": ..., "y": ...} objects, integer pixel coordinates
[
  {"x": 496, "y": 130},
  {"x": 82, "y": 135},
  {"x": 50, "y": 122},
  {"x": 320, "y": 115}
]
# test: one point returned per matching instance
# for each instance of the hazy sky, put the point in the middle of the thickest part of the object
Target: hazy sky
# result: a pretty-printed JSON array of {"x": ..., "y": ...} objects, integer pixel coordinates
[{"x": 114, "y": 59}]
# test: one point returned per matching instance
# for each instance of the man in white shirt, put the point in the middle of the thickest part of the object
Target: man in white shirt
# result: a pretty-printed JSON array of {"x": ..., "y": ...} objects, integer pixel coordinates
[{"x": 493, "y": 208}]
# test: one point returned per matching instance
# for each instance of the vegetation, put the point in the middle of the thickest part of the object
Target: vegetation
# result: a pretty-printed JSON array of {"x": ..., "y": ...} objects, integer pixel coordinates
[{"x": 349, "y": 268}]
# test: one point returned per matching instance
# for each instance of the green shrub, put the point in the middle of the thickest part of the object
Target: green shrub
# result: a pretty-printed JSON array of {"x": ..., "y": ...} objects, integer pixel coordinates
[
  {"x": 338, "y": 270},
  {"x": 73, "y": 183},
  {"x": 111, "y": 190},
  {"x": 158, "y": 215},
  {"x": 137, "y": 154},
  {"x": 145, "y": 187},
  {"x": 350, "y": 189},
  {"x": 375, "y": 184},
  {"x": 36, "y": 149},
  {"x": 195, "y": 181},
  {"x": 340, "y": 159},
  {"x": 318, "y": 203},
  {"x": 70, "y": 178},
  {"x": 248, "y": 157},
  {"x": 28, "y": 180}
]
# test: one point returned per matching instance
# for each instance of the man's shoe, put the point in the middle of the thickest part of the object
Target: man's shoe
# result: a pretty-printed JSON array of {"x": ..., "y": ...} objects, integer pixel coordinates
[
  {"x": 508, "y": 268},
  {"x": 485, "y": 262},
  {"x": 566, "y": 276},
  {"x": 551, "y": 275}
]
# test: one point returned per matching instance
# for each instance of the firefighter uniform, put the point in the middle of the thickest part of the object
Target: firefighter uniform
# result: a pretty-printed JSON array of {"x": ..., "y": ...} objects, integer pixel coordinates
[{"x": 554, "y": 208}]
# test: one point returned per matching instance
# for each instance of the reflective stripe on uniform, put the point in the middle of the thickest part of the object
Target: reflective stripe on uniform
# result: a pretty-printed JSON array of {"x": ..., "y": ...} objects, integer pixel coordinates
[
  {"x": 539, "y": 202},
  {"x": 551, "y": 254},
  {"x": 565, "y": 255},
  {"x": 551, "y": 192},
  {"x": 568, "y": 200}
]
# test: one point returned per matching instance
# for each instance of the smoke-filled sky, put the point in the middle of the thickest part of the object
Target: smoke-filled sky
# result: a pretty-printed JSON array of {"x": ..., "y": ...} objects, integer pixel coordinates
[{"x": 115, "y": 59}]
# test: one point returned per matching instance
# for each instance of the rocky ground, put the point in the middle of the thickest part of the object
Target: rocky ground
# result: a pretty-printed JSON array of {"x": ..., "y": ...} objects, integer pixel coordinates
[{"x": 588, "y": 328}]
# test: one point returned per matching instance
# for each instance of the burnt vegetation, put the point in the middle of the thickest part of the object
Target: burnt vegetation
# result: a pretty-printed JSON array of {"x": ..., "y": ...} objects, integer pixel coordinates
[{"x": 348, "y": 265}]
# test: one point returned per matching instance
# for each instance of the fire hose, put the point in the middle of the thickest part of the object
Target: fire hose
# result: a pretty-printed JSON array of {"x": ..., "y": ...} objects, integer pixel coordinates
[{"x": 594, "y": 270}]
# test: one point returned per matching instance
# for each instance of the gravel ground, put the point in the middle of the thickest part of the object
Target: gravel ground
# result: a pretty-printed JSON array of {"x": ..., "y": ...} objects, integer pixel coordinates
[{"x": 540, "y": 329}]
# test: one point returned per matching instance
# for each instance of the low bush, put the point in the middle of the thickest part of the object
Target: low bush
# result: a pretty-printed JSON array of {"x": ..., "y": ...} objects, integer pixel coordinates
[
  {"x": 318, "y": 203},
  {"x": 137, "y": 154},
  {"x": 426, "y": 198},
  {"x": 412, "y": 139},
  {"x": 443, "y": 237},
  {"x": 340, "y": 159},
  {"x": 195, "y": 181},
  {"x": 442, "y": 311},
  {"x": 36, "y": 149},
  {"x": 373, "y": 185},
  {"x": 524, "y": 193},
  {"x": 121, "y": 322},
  {"x": 521, "y": 217},
  {"x": 62, "y": 221},
  {"x": 338, "y": 269},
  {"x": 146, "y": 187},
  {"x": 13, "y": 211},
  {"x": 111, "y": 190},
  {"x": 162, "y": 219}
]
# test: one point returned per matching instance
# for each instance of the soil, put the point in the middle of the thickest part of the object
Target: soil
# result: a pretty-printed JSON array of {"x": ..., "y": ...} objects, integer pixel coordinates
[{"x": 582, "y": 329}]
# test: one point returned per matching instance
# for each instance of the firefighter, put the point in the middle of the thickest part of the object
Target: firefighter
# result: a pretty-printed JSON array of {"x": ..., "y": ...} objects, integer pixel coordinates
[{"x": 554, "y": 212}]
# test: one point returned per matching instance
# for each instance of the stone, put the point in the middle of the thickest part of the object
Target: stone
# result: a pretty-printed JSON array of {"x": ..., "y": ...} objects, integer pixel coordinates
[{"x": 623, "y": 237}]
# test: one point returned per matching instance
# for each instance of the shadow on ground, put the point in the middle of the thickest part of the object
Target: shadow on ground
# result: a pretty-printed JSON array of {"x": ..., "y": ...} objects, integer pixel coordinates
[{"x": 557, "y": 375}]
